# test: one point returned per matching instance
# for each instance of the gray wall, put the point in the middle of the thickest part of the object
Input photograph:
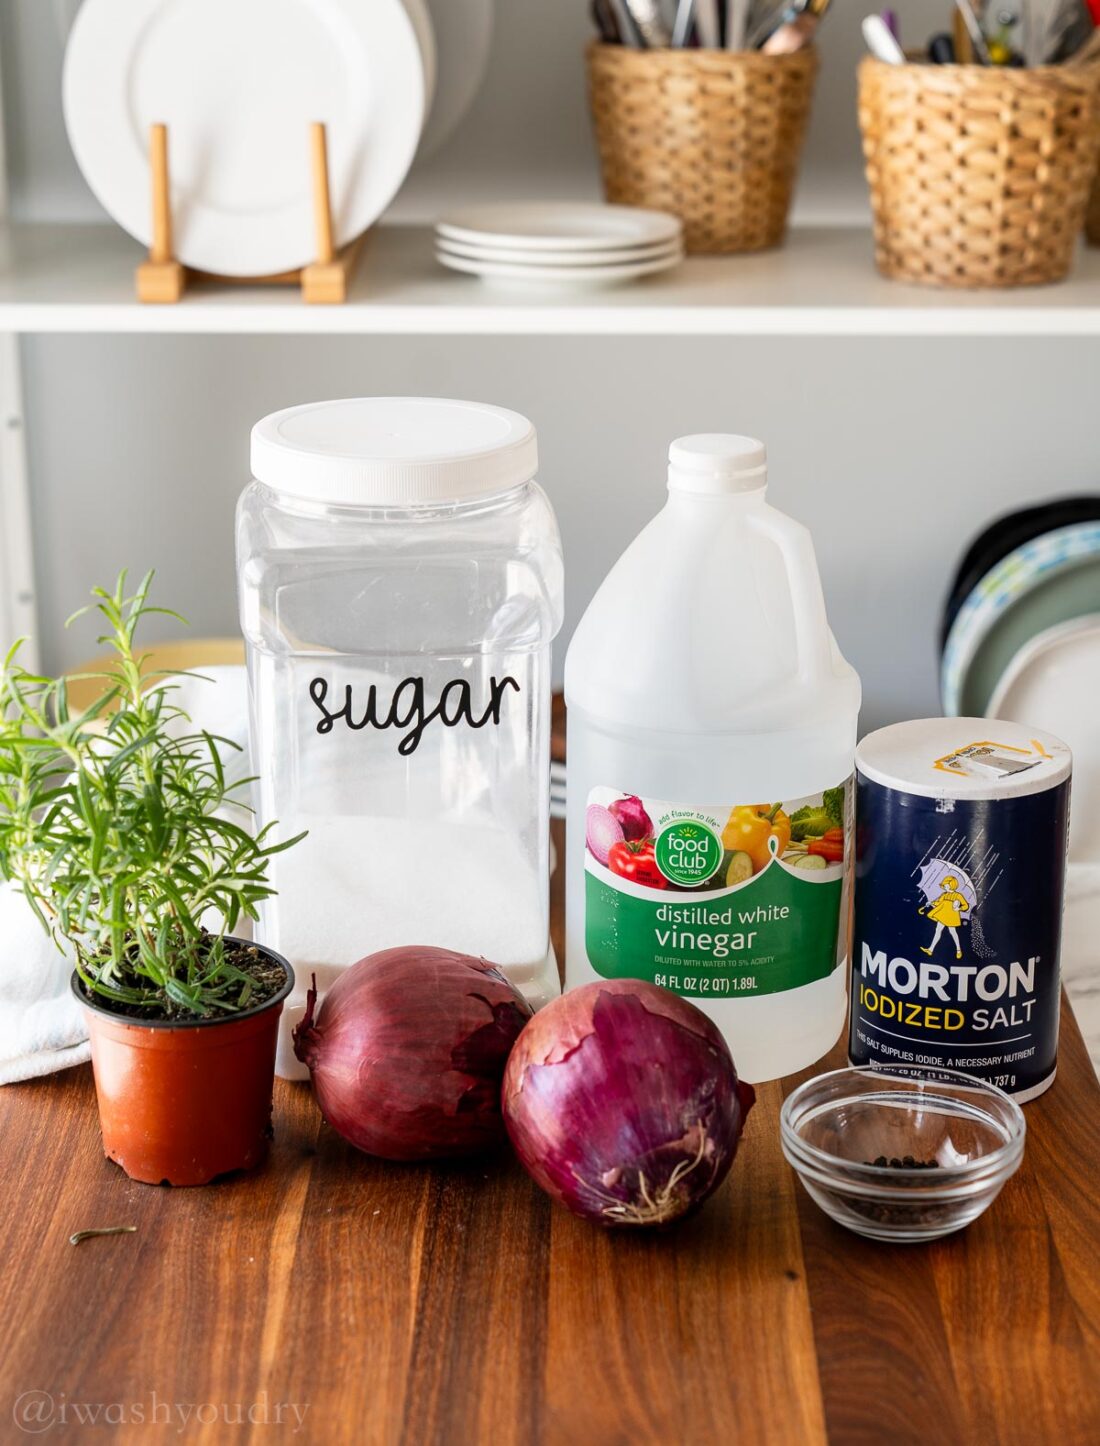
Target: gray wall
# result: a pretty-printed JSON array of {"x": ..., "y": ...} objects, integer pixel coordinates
[{"x": 894, "y": 452}]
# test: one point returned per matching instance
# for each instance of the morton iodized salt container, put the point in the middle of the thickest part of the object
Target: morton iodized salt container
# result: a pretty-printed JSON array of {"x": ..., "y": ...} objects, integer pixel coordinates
[{"x": 961, "y": 834}]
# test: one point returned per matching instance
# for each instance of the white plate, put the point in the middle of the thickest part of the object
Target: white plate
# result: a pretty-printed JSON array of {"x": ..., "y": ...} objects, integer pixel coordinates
[
  {"x": 1002, "y": 591},
  {"x": 1053, "y": 683},
  {"x": 569, "y": 275},
  {"x": 508, "y": 254},
  {"x": 559, "y": 226},
  {"x": 238, "y": 83},
  {"x": 463, "y": 35},
  {"x": 424, "y": 27}
]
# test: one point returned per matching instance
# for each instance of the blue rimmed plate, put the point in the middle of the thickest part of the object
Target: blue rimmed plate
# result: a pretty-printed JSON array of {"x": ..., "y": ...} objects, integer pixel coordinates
[{"x": 1046, "y": 581}]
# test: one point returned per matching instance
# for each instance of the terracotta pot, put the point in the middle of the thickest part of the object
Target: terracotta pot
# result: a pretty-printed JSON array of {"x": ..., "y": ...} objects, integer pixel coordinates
[{"x": 182, "y": 1102}]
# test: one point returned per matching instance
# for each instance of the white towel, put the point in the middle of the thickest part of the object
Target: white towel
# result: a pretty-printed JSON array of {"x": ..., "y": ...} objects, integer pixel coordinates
[{"x": 41, "y": 1023}]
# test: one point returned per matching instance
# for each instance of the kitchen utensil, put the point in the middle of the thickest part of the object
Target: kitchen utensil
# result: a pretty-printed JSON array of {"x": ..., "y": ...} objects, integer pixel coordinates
[
  {"x": 239, "y": 113},
  {"x": 559, "y": 226},
  {"x": 627, "y": 26},
  {"x": 769, "y": 18},
  {"x": 707, "y": 24},
  {"x": 463, "y": 39},
  {"x": 1046, "y": 581},
  {"x": 737, "y": 23},
  {"x": 848, "y": 1135},
  {"x": 561, "y": 275},
  {"x": 1089, "y": 54},
  {"x": 1053, "y": 683},
  {"x": 941, "y": 49},
  {"x": 685, "y": 16},
  {"x": 974, "y": 30},
  {"x": 880, "y": 41},
  {"x": 796, "y": 28},
  {"x": 603, "y": 17},
  {"x": 1061, "y": 27},
  {"x": 650, "y": 22},
  {"x": 960, "y": 35}
]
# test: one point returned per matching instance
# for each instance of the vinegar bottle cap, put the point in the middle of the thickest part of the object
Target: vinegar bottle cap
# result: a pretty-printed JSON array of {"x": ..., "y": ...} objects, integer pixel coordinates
[{"x": 717, "y": 462}]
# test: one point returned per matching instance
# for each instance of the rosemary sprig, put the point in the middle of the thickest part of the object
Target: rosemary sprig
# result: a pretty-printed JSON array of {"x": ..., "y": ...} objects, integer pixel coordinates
[{"x": 111, "y": 826}]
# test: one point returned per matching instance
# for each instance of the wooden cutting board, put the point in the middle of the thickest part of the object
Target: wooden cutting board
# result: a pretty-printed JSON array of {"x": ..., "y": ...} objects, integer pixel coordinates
[{"x": 456, "y": 1305}]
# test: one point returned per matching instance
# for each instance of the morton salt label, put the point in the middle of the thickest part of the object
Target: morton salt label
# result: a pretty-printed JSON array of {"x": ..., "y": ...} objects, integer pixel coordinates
[{"x": 961, "y": 834}]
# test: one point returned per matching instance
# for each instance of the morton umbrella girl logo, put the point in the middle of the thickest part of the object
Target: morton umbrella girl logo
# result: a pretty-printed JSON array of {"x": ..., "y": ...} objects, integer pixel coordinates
[{"x": 949, "y": 899}]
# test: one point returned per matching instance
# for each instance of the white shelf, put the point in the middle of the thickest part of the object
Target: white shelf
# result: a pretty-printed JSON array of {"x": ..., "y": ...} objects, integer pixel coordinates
[{"x": 79, "y": 278}]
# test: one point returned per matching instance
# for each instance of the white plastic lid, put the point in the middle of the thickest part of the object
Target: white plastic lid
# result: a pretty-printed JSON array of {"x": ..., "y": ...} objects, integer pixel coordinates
[
  {"x": 392, "y": 451},
  {"x": 717, "y": 462},
  {"x": 975, "y": 758}
]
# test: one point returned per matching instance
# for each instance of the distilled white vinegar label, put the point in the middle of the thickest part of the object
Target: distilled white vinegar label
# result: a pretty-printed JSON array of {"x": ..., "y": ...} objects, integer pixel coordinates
[{"x": 722, "y": 901}]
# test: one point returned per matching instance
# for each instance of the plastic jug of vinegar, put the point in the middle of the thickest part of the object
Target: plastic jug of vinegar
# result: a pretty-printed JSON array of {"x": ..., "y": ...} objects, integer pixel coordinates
[{"x": 712, "y": 727}]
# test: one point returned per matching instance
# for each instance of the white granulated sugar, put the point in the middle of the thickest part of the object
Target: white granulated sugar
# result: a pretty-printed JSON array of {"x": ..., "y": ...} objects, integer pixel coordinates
[{"x": 359, "y": 884}]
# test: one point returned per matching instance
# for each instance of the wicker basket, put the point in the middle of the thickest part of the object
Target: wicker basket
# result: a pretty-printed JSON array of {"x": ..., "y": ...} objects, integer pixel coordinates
[
  {"x": 979, "y": 176},
  {"x": 1092, "y": 214},
  {"x": 711, "y": 136}
]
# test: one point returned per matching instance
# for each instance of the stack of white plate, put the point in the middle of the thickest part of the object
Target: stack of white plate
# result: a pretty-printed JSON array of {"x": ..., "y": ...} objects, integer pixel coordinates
[{"x": 559, "y": 242}]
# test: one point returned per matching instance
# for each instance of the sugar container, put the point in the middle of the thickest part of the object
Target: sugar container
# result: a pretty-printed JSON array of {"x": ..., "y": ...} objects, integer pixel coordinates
[{"x": 400, "y": 583}]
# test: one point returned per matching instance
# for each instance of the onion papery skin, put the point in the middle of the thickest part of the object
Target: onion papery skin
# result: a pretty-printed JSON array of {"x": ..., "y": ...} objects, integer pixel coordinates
[
  {"x": 408, "y": 1051},
  {"x": 622, "y": 1101},
  {"x": 633, "y": 819}
]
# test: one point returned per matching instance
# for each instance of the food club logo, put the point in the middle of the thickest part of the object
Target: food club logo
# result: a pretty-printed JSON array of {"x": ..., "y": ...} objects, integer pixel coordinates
[{"x": 688, "y": 853}]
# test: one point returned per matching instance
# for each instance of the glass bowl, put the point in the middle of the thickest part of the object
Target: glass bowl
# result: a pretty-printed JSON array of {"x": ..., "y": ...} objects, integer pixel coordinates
[{"x": 902, "y": 1153}]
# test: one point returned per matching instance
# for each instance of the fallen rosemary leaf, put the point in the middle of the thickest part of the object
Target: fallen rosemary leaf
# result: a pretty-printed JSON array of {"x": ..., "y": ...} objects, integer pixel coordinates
[{"x": 103, "y": 1230}]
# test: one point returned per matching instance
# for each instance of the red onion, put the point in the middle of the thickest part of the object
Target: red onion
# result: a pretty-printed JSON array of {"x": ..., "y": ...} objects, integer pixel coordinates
[
  {"x": 602, "y": 830},
  {"x": 623, "y": 1103},
  {"x": 632, "y": 817},
  {"x": 408, "y": 1051}
]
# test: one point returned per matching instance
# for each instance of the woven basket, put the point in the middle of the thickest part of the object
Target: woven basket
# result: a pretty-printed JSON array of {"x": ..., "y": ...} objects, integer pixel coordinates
[
  {"x": 711, "y": 136},
  {"x": 1092, "y": 214},
  {"x": 979, "y": 176}
]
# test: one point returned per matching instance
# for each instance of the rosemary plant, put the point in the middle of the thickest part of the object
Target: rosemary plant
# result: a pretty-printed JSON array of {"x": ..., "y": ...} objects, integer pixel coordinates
[{"x": 113, "y": 826}]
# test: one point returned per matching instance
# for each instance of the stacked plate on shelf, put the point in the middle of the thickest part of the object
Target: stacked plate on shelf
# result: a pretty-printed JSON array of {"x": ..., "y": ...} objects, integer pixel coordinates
[
  {"x": 1021, "y": 639},
  {"x": 563, "y": 243}
]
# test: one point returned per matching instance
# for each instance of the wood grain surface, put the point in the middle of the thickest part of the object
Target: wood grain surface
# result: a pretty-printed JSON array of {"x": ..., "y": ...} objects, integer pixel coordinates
[{"x": 339, "y": 1299}]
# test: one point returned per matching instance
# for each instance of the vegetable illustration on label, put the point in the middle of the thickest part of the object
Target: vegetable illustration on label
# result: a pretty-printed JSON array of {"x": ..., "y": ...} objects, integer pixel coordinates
[
  {"x": 762, "y": 887},
  {"x": 632, "y": 817},
  {"x": 602, "y": 832},
  {"x": 751, "y": 829},
  {"x": 636, "y": 861}
]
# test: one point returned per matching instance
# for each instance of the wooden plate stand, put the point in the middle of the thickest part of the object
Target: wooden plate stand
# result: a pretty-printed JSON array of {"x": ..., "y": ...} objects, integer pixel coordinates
[{"x": 163, "y": 279}]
